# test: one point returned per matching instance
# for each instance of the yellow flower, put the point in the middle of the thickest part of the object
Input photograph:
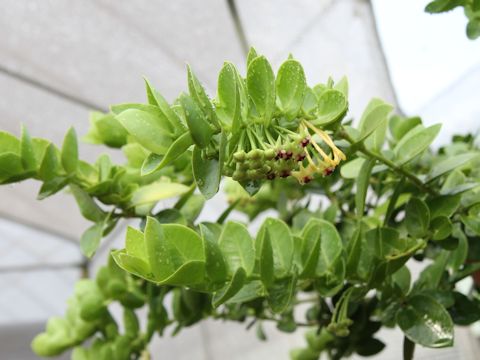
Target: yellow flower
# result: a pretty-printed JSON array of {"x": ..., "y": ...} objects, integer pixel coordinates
[{"x": 321, "y": 163}]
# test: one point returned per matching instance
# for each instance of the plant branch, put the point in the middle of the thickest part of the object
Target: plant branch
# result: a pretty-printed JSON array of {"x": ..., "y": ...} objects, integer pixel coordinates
[
  {"x": 408, "y": 348},
  {"x": 399, "y": 169}
]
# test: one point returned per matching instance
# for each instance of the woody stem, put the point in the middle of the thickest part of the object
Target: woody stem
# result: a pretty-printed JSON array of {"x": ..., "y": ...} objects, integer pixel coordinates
[{"x": 409, "y": 175}]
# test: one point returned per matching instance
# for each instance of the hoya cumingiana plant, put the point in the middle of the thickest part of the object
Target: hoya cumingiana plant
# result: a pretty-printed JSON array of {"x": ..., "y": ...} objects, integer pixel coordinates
[{"x": 355, "y": 205}]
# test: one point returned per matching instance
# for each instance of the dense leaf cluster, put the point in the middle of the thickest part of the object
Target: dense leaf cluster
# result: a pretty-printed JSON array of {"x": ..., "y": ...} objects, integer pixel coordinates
[
  {"x": 339, "y": 244},
  {"x": 471, "y": 9}
]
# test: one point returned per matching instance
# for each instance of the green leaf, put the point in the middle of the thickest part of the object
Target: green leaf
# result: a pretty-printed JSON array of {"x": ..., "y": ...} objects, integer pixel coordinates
[
  {"x": 354, "y": 251},
  {"x": 389, "y": 249},
  {"x": 443, "y": 205},
  {"x": 151, "y": 132},
  {"x": 331, "y": 246},
  {"x": 331, "y": 107},
  {"x": 459, "y": 255},
  {"x": 232, "y": 288},
  {"x": 236, "y": 245},
  {"x": 200, "y": 129},
  {"x": 207, "y": 173},
  {"x": 261, "y": 87},
  {"x": 414, "y": 143},
  {"x": 310, "y": 255},
  {"x": 310, "y": 102},
  {"x": 88, "y": 207},
  {"x": 351, "y": 169},
  {"x": 175, "y": 253},
  {"x": 151, "y": 163},
  {"x": 402, "y": 279},
  {"x": 441, "y": 228},
  {"x": 374, "y": 117},
  {"x": 155, "y": 98},
  {"x": 473, "y": 29},
  {"x": 362, "y": 182},
  {"x": 10, "y": 166},
  {"x": 229, "y": 102},
  {"x": 266, "y": 260},
  {"x": 400, "y": 126},
  {"x": 439, "y": 6},
  {"x": 280, "y": 293},
  {"x": 304, "y": 354},
  {"x": 281, "y": 241},
  {"x": 106, "y": 129},
  {"x": 156, "y": 162},
  {"x": 51, "y": 187},
  {"x": 135, "y": 243},
  {"x": 290, "y": 86},
  {"x": 133, "y": 264},
  {"x": 70, "y": 152},
  {"x": 450, "y": 164},
  {"x": 9, "y": 143},
  {"x": 193, "y": 207},
  {"x": 332, "y": 281},
  {"x": 50, "y": 164},
  {"x": 252, "y": 54},
  {"x": 157, "y": 191},
  {"x": 153, "y": 110},
  {"x": 342, "y": 86},
  {"x": 27, "y": 151},
  {"x": 465, "y": 311},
  {"x": 91, "y": 239},
  {"x": 417, "y": 217},
  {"x": 215, "y": 266},
  {"x": 369, "y": 347},
  {"x": 426, "y": 322},
  {"x": 170, "y": 216},
  {"x": 431, "y": 276},
  {"x": 472, "y": 223},
  {"x": 197, "y": 92}
]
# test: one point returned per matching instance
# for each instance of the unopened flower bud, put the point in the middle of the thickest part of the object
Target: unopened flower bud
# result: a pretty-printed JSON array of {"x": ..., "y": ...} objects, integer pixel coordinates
[
  {"x": 240, "y": 156},
  {"x": 257, "y": 164},
  {"x": 269, "y": 154},
  {"x": 238, "y": 175},
  {"x": 255, "y": 154}
]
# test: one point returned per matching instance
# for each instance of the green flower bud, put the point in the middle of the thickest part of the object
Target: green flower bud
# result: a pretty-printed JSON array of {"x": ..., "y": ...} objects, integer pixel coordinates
[
  {"x": 265, "y": 169},
  {"x": 240, "y": 156},
  {"x": 332, "y": 327},
  {"x": 243, "y": 166},
  {"x": 255, "y": 154},
  {"x": 252, "y": 174},
  {"x": 238, "y": 175},
  {"x": 342, "y": 332},
  {"x": 270, "y": 154},
  {"x": 257, "y": 164}
]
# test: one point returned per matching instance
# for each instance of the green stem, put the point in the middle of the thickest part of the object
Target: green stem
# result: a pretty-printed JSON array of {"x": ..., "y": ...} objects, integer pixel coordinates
[
  {"x": 251, "y": 139},
  {"x": 260, "y": 141},
  {"x": 409, "y": 175},
  {"x": 408, "y": 348},
  {"x": 269, "y": 136}
]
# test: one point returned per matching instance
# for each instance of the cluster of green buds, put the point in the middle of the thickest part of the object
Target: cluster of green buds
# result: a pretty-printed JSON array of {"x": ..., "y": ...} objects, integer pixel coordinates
[
  {"x": 340, "y": 322},
  {"x": 340, "y": 329},
  {"x": 277, "y": 152}
]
